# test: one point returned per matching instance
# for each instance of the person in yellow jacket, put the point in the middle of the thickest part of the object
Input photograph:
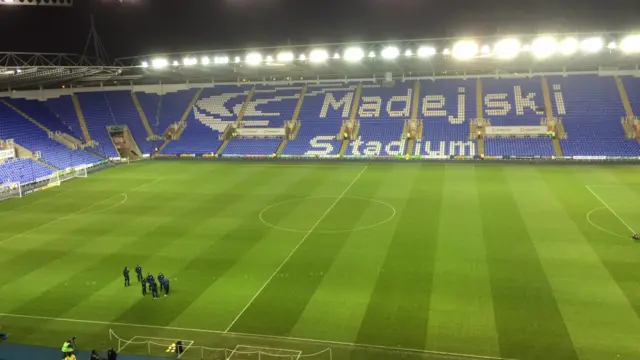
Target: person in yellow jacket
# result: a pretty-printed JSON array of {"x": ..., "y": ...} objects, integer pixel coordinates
[
  {"x": 67, "y": 348},
  {"x": 70, "y": 356}
]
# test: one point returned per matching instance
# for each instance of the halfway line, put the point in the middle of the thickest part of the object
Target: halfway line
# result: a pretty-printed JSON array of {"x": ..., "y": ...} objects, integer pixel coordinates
[
  {"x": 296, "y": 248},
  {"x": 610, "y": 209}
]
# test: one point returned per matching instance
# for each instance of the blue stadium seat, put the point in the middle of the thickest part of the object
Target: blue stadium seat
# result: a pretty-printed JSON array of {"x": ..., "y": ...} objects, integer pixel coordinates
[{"x": 23, "y": 171}]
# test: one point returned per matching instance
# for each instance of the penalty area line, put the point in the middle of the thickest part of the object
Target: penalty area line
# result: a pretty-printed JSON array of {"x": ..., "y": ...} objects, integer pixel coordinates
[
  {"x": 610, "y": 209},
  {"x": 304, "y": 238},
  {"x": 263, "y": 336}
]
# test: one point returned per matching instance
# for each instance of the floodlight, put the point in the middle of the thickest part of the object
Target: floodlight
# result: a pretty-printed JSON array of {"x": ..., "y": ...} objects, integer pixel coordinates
[
  {"x": 485, "y": 50},
  {"x": 318, "y": 55},
  {"x": 237, "y": 60},
  {"x": 353, "y": 54},
  {"x": 221, "y": 60},
  {"x": 592, "y": 45},
  {"x": 269, "y": 59},
  {"x": 446, "y": 51},
  {"x": 465, "y": 49},
  {"x": 159, "y": 63},
  {"x": 630, "y": 44},
  {"x": 285, "y": 56},
  {"x": 145, "y": 64},
  {"x": 372, "y": 54},
  {"x": 526, "y": 47},
  {"x": 507, "y": 48},
  {"x": 188, "y": 61},
  {"x": 543, "y": 47},
  {"x": 408, "y": 53},
  {"x": 569, "y": 46},
  {"x": 205, "y": 60},
  {"x": 302, "y": 57},
  {"x": 426, "y": 51},
  {"x": 390, "y": 52},
  {"x": 175, "y": 63},
  {"x": 336, "y": 56},
  {"x": 612, "y": 45},
  {"x": 253, "y": 58}
]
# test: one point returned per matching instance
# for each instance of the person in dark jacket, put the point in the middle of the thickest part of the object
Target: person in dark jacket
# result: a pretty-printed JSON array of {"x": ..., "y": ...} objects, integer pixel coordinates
[
  {"x": 112, "y": 354},
  {"x": 95, "y": 356}
]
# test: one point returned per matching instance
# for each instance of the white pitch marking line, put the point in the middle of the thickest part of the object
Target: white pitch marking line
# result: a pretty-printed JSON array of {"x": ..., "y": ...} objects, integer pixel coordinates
[
  {"x": 610, "y": 209},
  {"x": 329, "y": 342},
  {"x": 296, "y": 248},
  {"x": 73, "y": 213}
]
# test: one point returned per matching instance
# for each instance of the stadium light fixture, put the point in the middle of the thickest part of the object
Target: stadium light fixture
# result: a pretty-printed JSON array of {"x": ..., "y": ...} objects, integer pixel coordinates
[
  {"x": 145, "y": 64},
  {"x": 485, "y": 50},
  {"x": 544, "y": 46},
  {"x": 220, "y": 60},
  {"x": 465, "y": 49},
  {"x": 302, "y": 57},
  {"x": 630, "y": 44},
  {"x": 446, "y": 52},
  {"x": 592, "y": 45},
  {"x": 160, "y": 63},
  {"x": 269, "y": 59},
  {"x": 237, "y": 60},
  {"x": 408, "y": 53},
  {"x": 189, "y": 61},
  {"x": 569, "y": 46},
  {"x": 353, "y": 54},
  {"x": 426, "y": 51},
  {"x": 285, "y": 56},
  {"x": 318, "y": 55},
  {"x": 612, "y": 45},
  {"x": 205, "y": 60},
  {"x": 507, "y": 48},
  {"x": 390, "y": 52},
  {"x": 253, "y": 58},
  {"x": 336, "y": 56},
  {"x": 176, "y": 63},
  {"x": 372, "y": 54}
]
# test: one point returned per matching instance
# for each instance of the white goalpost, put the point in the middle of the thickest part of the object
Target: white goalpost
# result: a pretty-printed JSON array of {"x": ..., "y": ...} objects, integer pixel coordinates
[{"x": 10, "y": 190}]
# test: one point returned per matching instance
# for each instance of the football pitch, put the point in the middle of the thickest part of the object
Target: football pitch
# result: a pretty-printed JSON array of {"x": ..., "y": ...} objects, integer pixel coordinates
[{"x": 373, "y": 261}]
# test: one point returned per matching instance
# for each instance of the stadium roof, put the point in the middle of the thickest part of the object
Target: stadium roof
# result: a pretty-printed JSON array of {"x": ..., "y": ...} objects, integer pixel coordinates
[{"x": 449, "y": 57}]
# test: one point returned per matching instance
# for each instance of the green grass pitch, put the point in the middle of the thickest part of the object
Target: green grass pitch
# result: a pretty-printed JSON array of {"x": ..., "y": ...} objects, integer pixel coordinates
[{"x": 498, "y": 261}]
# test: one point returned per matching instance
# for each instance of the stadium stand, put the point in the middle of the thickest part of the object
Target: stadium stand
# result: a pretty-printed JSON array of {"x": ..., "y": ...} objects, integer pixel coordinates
[
  {"x": 593, "y": 110},
  {"x": 311, "y": 135},
  {"x": 513, "y": 102},
  {"x": 34, "y": 138},
  {"x": 251, "y": 147},
  {"x": 40, "y": 112},
  {"x": 63, "y": 108},
  {"x": 23, "y": 171},
  {"x": 98, "y": 115},
  {"x": 632, "y": 84},
  {"x": 535, "y": 146},
  {"x": 446, "y": 109},
  {"x": 125, "y": 113}
]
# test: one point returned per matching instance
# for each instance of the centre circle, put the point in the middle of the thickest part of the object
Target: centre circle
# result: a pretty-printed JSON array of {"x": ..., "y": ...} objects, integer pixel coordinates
[{"x": 314, "y": 210}]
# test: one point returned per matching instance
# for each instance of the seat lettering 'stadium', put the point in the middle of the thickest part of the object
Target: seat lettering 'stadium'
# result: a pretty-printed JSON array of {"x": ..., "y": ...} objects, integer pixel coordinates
[
  {"x": 216, "y": 111},
  {"x": 323, "y": 145}
]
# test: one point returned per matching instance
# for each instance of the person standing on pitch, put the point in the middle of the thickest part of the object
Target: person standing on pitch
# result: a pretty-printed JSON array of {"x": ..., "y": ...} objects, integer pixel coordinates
[
  {"x": 165, "y": 284},
  {"x": 112, "y": 354},
  {"x": 161, "y": 281},
  {"x": 67, "y": 348},
  {"x": 144, "y": 287},
  {"x": 154, "y": 290},
  {"x": 125, "y": 273},
  {"x": 139, "y": 272},
  {"x": 150, "y": 280}
]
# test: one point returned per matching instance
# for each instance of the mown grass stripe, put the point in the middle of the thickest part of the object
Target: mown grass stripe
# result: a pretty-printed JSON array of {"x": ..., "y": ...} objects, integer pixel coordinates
[{"x": 528, "y": 320}]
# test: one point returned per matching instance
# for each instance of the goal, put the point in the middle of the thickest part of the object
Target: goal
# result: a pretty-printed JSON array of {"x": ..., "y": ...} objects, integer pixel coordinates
[
  {"x": 10, "y": 190},
  {"x": 76, "y": 172}
]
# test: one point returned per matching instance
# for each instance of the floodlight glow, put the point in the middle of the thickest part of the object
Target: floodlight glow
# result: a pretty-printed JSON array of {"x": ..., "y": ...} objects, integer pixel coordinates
[
  {"x": 205, "y": 60},
  {"x": 569, "y": 46},
  {"x": 145, "y": 64},
  {"x": 237, "y": 59},
  {"x": 336, "y": 56},
  {"x": 390, "y": 52},
  {"x": 446, "y": 51},
  {"x": 612, "y": 45},
  {"x": 159, "y": 63},
  {"x": 507, "y": 48},
  {"x": 269, "y": 59},
  {"x": 353, "y": 54},
  {"x": 408, "y": 53},
  {"x": 318, "y": 55},
  {"x": 630, "y": 44},
  {"x": 221, "y": 60},
  {"x": 188, "y": 61},
  {"x": 372, "y": 54},
  {"x": 526, "y": 47},
  {"x": 175, "y": 63},
  {"x": 285, "y": 56},
  {"x": 302, "y": 57},
  {"x": 485, "y": 50},
  {"x": 253, "y": 58},
  {"x": 592, "y": 45},
  {"x": 465, "y": 49},
  {"x": 426, "y": 51},
  {"x": 543, "y": 47}
]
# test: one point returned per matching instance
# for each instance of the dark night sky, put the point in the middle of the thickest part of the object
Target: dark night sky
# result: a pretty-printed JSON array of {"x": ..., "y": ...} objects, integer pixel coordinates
[{"x": 146, "y": 26}]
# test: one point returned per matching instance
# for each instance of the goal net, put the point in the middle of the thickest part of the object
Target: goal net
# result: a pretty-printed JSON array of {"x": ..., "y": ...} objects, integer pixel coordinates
[
  {"x": 76, "y": 172},
  {"x": 10, "y": 190}
]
